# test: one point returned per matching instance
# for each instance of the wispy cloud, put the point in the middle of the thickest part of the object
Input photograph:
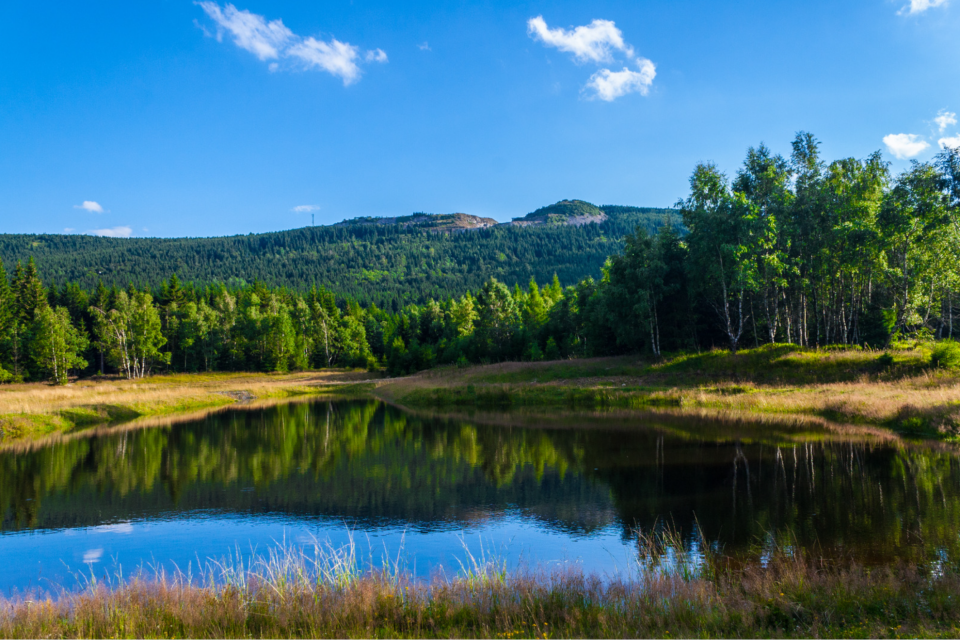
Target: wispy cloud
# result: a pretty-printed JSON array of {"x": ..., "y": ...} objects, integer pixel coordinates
[
  {"x": 338, "y": 58},
  {"x": 115, "y": 232},
  {"x": 306, "y": 208},
  {"x": 89, "y": 205},
  {"x": 919, "y": 6},
  {"x": 905, "y": 145},
  {"x": 610, "y": 85},
  {"x": 950, "y": 143},
  {"x": 944, "y": 119},
  {"x": 424, "y": 46},
  {"x": 592, "y": 42},
  {"x": 273, "y": 41},
  {"x": 68, "y": 230},
  {"x": 250, "y": 32},
  {"x": 377, "y": 55},
  {"x": 599, "y": 42}
]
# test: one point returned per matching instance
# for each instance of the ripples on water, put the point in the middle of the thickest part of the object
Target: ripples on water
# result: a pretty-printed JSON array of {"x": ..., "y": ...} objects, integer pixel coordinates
[{"x": 565, "y": 489}]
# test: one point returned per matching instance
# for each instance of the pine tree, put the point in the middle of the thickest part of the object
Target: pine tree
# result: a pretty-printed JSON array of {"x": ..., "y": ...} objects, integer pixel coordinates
[
  {"x": 6, "y": 324},
  {"x": 29, "y": 295}
]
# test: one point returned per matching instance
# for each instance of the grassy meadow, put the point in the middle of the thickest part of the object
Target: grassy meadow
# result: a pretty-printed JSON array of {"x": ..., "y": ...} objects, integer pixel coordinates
[
  {"x": 29, "y": 411},
  {"x": 905, "y": 389}
]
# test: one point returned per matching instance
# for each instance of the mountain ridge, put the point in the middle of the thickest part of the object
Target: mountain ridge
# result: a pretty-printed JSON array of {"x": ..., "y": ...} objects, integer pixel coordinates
[{"x": 389, "y": 261}]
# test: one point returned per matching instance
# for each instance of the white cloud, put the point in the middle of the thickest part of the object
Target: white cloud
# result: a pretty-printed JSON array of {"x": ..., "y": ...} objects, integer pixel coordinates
[
  {"x": 89, "y": 205},
  {"x": 68, "y": 230},
  {"x": 306, "y": 208},
  {"x": 425, "y": 46},
  {"x": 950, "y": 143},
  {"x": 115, "y": 232},
  {"x": 597, "y": 42},
  {"x": 377, "y": 55},
  {"x": 592, "y": 42},
  {"x": 944, "y": 119},
  {"x": 272, "y": 40},
  {"x": 251, "y": 32},
  {"x": 610, "y": 85},
  {"x": 335, "y": 57},
  {"x": 905, "y": 145},
  {"x": 919, "y": 6}
]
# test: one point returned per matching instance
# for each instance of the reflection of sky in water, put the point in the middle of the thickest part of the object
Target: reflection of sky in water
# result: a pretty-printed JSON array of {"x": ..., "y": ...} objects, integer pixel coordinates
[{"x": 45, "y": 559}]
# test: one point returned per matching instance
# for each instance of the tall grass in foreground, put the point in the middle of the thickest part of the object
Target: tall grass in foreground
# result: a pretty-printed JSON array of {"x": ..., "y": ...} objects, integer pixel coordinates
[{"x": 290, "y": 593}]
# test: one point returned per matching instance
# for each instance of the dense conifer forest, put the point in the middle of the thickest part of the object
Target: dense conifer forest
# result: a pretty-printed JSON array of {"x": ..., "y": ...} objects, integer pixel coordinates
[
  {"x": 385, "y": 264},
  {"x": 791, "y": 250}
]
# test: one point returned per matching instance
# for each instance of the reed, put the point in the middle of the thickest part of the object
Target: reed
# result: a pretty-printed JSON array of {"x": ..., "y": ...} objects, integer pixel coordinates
[{"x": 672, "y": 592}]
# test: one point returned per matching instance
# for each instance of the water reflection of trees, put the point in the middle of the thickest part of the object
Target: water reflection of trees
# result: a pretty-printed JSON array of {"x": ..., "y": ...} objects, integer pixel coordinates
[
  {"x": 369, "y": 461},
  {"x": 351, "y": 459},
  {"x": 871, "y": 501}
]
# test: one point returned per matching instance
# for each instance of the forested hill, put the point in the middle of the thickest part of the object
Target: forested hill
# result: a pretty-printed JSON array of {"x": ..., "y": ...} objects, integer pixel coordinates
[{"x": 406, "y": 259}]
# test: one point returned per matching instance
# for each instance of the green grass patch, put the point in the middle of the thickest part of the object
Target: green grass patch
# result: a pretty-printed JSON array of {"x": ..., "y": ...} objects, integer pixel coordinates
[
  {"x": 501, "y": 397},
  {"x": 22, "y": 425},
  {"x": 779, "y": 364}
]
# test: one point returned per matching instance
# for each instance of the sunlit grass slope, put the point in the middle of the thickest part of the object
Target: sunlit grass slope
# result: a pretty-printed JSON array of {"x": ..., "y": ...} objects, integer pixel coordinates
[
  {"x": 33, "y": 410},
  {"x": 901, "y": 389}
]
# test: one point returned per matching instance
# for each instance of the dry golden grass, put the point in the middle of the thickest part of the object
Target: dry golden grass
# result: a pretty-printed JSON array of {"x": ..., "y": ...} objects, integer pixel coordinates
[
  {"x": 848, "y": 387},
  {"x": 32, "y": 410},
  {"x": 784, "y": 596},
  {"x": 931, "y": 399},
  {"x": 45, "y": 398}
]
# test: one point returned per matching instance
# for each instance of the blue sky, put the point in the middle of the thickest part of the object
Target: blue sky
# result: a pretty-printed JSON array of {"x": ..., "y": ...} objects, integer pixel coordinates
[{"x": 173, "y": 118}]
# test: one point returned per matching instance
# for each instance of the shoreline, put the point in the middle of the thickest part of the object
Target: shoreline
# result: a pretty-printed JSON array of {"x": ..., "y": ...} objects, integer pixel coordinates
[
  {"x": 851, "y": 388},
  {"x": 295, "y": 593},
  {"x": 31, "y": 412},
  {"x": 839, "y": 390}
]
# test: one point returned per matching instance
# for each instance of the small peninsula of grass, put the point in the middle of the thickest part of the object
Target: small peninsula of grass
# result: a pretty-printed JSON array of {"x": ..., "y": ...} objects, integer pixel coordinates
[
  {"x": 902, "y": 389},
  {"x": 29, "y": 411}
]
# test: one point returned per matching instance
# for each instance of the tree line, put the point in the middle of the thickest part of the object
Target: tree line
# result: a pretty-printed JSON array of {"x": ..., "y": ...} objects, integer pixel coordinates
[{"x": 789, "y": 250}]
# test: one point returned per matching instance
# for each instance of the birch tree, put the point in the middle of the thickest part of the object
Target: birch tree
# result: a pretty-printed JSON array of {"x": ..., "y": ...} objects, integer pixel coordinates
[
  {"x": 131, "y": 333},
  {"x": 57, "y": 344}
]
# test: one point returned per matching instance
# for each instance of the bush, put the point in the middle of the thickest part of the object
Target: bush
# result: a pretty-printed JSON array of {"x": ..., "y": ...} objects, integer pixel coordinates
[
  {"x": 842, "y": 347},
  {"x": 885, "y": 360},
  {"x": 552, "y": 352},
  {"x": 946, "y": 354}
]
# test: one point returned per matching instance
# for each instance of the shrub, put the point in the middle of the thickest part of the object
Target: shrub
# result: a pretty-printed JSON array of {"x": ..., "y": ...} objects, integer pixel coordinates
[
  {"x": 885, "y": 360},
  {"x": 553, "y": 351},
  {"x": 946, "y": 354}
]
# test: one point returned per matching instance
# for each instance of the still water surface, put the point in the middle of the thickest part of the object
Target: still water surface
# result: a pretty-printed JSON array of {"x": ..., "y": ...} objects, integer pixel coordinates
[{"x": 566, "y": 489}]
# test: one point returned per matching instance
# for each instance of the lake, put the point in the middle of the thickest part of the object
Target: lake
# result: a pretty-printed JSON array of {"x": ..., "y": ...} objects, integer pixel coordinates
[{"x": 537, "y": 491}]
